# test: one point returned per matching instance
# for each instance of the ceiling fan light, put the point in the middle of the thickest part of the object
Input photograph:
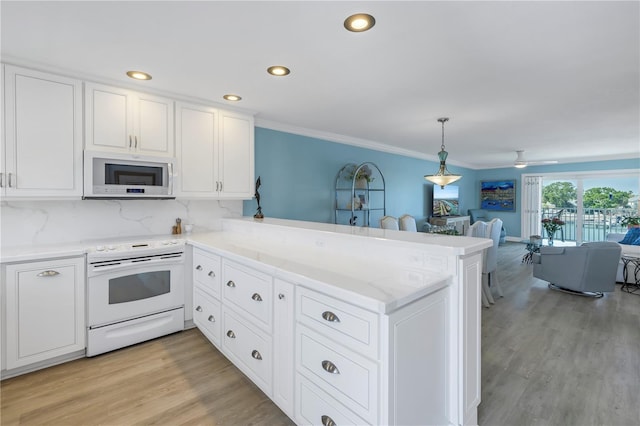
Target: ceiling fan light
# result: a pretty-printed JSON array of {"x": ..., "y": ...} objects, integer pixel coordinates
[
  {"x": 520, "y": 165},
  {"x": 443, "y": 176}
]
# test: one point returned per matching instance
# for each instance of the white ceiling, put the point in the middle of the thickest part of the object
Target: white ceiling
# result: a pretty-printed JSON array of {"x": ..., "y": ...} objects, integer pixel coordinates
[{"x": 560, "y": 80}]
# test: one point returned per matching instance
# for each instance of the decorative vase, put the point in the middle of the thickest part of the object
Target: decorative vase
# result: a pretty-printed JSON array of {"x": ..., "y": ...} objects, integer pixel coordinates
[
  {"x": 361, "y": 183},
  {"x": 551, "y": 234}
]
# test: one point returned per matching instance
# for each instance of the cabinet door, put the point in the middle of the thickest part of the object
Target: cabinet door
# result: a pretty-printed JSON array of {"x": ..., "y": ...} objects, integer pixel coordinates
[
  {"x": 108, "y": 118},
  {"x": 236, "y": 165},
  {"x": 283, "y": 344},
  {"x": 45, "y": 310},
  {"x": 196, "y": 138},
  {"x": 43, "y": 133},
  {"x": 153, "y": 130}
]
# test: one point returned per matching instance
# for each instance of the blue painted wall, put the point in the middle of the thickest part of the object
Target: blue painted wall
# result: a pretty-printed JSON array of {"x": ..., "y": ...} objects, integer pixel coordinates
[
  {"x": 512, "y": 220},
  {"x": 298, "y": 178}
]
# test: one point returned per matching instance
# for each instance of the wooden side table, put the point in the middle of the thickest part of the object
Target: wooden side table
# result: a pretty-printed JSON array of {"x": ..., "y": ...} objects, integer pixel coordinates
[{"x": 630, "y": 262}]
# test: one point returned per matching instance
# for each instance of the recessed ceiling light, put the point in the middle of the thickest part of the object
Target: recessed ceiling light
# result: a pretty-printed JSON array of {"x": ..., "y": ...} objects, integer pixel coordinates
[
  {"x": 359, "y": 22},
  {"x": 139, "y": 75},
  {"x": 232, "y": 97},
  {"x": 278, "y": 70}
]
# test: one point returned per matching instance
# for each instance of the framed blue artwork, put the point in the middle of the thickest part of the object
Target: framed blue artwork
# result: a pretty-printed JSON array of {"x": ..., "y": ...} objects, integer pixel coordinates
[{"x": 498, "y": 195}]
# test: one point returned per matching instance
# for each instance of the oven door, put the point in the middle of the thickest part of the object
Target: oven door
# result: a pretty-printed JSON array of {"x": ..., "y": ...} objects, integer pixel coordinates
[{"x": 122, "y": 294}]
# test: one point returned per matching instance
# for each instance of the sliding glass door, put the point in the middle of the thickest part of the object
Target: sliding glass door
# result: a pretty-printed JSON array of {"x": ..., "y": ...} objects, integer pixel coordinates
[{"x": 591, "y": 205}]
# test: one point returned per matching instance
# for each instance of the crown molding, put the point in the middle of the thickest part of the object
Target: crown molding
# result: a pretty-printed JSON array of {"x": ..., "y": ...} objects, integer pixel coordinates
[{"x": 348, "y": 140}]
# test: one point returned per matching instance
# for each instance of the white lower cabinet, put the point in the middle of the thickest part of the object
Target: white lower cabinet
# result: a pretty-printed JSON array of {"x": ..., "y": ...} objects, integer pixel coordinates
[
  {"x": 325, "y": 361},
  {"x": 249, "y": 348},
  {"x": 284, "y": 321},
  {"x": 207, "y": 315},
  {"x": 405, "y": 382},
  {"x": 44, "y": 305}
]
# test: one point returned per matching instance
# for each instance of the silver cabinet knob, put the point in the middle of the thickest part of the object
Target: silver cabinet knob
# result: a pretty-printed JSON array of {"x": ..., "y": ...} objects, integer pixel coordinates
[
  {"x": 199, "y": 308},
  {"x": 256, "y": 297},
  {"x": 211, "y": 318},
  {"x": 330, "y": 367},
  {"x": 199, "y": 268},
  {"x": 280, "y": 296},
  {"x": 211, "y": 274},
  {"x": 256, "y": 354},
  {"x": 231, "y": 334},
  {"x": 231, "y": 284},
  {"x": 48, "y": 273},
  {"x": 327, "y": 421},
  {"x": 330, "y": 316}
]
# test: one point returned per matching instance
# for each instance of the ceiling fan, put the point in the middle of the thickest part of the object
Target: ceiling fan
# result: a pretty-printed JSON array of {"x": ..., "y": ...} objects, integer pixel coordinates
[{"x": 521, "y": 162}]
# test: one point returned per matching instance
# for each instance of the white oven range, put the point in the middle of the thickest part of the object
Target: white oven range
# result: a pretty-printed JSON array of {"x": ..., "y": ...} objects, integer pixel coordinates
[{"x": 135, "y": 292}]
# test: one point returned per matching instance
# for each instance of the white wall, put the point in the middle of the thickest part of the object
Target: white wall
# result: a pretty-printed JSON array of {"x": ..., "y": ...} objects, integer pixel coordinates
[{"x": 48, "y": 222}]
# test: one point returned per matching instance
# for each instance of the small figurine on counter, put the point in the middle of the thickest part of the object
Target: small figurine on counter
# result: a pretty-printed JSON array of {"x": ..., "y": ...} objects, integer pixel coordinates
[{"x": 258, "y": 214}]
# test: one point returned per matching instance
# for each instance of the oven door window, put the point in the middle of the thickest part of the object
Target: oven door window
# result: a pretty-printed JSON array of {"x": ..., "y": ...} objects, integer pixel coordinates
[{"x": 139, "y": 286}]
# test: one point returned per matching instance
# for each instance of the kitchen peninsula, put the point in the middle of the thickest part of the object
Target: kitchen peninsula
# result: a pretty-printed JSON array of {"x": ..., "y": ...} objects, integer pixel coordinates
[
  {"x": 337, "y": 324},
  {"x": 352, "y": 325}
]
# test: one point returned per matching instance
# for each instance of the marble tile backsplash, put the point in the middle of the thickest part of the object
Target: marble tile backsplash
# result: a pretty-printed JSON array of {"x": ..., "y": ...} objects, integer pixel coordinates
[{"x": 48, "y": 222}]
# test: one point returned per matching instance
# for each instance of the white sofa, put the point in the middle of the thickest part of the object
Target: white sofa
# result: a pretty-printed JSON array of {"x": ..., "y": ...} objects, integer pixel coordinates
[{"x": 628, "y": 249}]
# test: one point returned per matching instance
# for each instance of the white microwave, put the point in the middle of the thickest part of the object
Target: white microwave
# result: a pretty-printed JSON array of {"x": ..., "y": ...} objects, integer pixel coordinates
[{"x": 122, "y": 176}]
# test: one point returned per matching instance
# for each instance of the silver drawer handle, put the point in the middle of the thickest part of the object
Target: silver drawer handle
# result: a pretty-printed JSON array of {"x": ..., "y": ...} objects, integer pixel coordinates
[
  {"x": 327, "y": 421},
  {"x": 48, "y": 273},
  {"x": 281, "y": 296},
  {"x": 330, "y": 316},
  {"x": 256, "y": 354},
  {"x": 231, "y": 334},
  {"x": 211, "y": 274},
  {"x": 199, "y": 308},
  {"x": 330, "y": 367},
  {"x": 231, "y": 284},
  {"x": 199, "y": 268},
  {"x": 211, "y": 318},
  {"x": 256, "y": 297}
]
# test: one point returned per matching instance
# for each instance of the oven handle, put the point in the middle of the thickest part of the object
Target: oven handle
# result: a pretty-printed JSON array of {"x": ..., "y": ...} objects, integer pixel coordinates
[{"x": 93, "y": 270}]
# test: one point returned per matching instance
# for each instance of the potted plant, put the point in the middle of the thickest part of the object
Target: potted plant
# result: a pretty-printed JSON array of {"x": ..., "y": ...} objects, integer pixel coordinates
[
  {"x": 362, "y": 177},
  {"x": 552, "y": 226},
  {"x": 630, "y": 221}
]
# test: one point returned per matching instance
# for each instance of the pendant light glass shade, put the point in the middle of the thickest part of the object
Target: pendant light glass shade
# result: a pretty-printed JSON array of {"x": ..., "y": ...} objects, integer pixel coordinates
[{"x": 443, "y": 176}]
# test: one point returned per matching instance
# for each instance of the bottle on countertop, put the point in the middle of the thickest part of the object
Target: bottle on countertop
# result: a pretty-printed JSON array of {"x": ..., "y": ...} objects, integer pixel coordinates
[{"x": 178, "y": 226}]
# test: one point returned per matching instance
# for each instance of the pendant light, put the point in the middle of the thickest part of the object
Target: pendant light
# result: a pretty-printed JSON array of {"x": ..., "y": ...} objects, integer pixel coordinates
[{"x": 443, "y": 177}]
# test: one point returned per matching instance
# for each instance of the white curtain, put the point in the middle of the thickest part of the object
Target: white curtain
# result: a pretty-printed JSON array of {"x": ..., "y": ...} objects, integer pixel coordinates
[{"x": 531, "y": 206}]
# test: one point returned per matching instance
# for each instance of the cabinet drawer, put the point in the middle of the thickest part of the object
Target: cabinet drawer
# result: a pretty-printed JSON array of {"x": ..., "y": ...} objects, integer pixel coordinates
[
  {"x": 250, "y": 350},
  {"x": 315, "y": 407},
  {"x": 354, "y": 327},
  {"x": 206, "y": 315},
  {"x": 206, "y": 272},
  {"x": 351, "y": 378},
  {"x": 250, "y": 291}
]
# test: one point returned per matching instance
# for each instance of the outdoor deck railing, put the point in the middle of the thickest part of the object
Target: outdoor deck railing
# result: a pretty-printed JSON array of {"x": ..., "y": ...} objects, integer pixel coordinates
[{"x": 596, "y": 223}]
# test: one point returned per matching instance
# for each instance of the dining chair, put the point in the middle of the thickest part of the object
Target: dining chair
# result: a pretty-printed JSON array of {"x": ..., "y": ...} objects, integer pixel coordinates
[
  {"x": 480, "y": 229},
  {"x": 407, "y": 223},
  {"x": 389, "y": 222}
]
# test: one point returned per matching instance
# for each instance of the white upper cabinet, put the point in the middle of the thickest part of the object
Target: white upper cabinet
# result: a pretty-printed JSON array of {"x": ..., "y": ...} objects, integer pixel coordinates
[
  {"x": 42, "y": 144},
  {"x": 215, "y": 152},
  {"x": 236, "y": 162},
  {"x": 124, "y": 121}
]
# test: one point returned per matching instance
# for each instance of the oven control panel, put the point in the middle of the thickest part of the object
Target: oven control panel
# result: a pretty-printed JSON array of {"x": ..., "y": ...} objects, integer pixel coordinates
[{"x": 135, "y": 248}]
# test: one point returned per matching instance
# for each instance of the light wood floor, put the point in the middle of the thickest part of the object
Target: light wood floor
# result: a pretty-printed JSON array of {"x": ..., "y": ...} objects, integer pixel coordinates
[
  {"x": 549, "y": 358},
  {"x": 179, "y": 379}
]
